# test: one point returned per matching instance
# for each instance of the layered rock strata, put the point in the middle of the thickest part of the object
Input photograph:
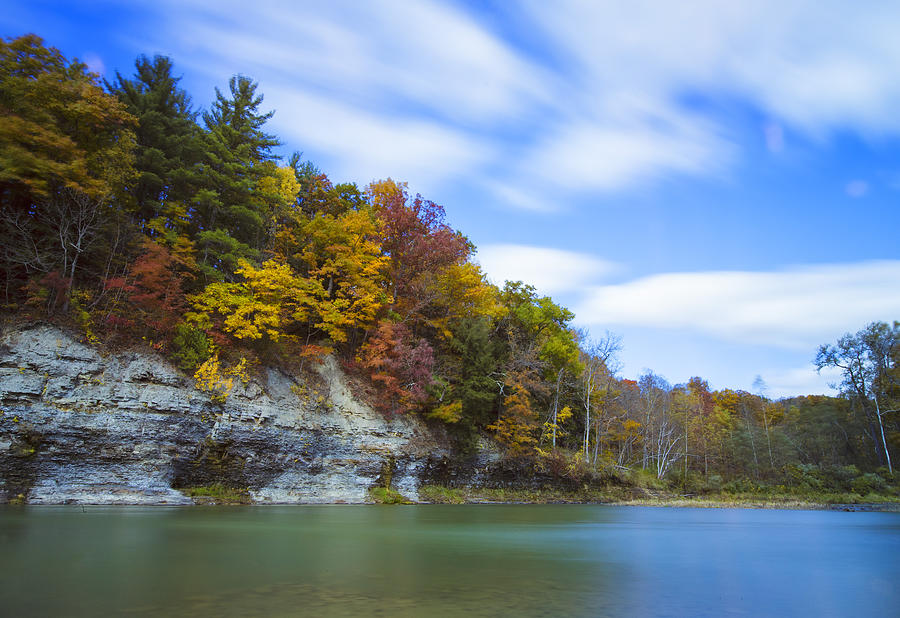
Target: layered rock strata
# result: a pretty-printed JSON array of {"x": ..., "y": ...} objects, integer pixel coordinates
[{"x": 129, "y": 428}]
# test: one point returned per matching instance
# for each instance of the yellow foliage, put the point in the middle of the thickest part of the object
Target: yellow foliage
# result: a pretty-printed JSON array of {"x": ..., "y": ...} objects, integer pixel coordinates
[
  {"x": 344, "y": 258},
  {"x": 562, "y": 416},
  {"x": 218, "y": 381},
  {"x": 382, "y": 190},
  {"x": 516, "y": 426},
  {"x": 461, "y": 290},
  {"x": 280, "y": 186},
  {"x": 448, "y": 412},
  {"x": 261, "y": 306}
]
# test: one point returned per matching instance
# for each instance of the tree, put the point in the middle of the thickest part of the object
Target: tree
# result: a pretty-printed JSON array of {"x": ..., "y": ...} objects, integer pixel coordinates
[
  {"x": 472, "y": 370},
  {"x": 759, "y": 385},
  {"x": 343, "y": 256},
  {"x": 401, "y": 367},
  {"x": 660, "y": 435},
  {"x": 867, "y": 360},
  {"x": 595, "y": 357},
  {"x": 267, "y": 305},
  {"x": 230, "y": 213},
  {"x": 518, "y": 422},
  {"x": 65, "y": 155},
  {"x": 169, "y": 146},
  {"x": 541, "y": 347},
  {"x": 418, "y": 243}
]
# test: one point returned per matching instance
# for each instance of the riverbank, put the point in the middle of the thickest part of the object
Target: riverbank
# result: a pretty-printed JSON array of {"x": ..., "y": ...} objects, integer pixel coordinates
[{"x": 433, "y": 494}]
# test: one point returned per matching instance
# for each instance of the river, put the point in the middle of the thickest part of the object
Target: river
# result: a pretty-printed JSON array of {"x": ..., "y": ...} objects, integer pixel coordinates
[{"x": 511, "y": 560}]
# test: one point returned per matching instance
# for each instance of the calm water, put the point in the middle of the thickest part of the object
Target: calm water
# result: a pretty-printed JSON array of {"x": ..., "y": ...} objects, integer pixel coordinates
[{"x": 447, "y": 560}]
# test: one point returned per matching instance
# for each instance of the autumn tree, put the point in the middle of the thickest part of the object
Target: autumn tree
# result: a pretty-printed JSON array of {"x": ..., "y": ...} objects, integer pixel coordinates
[
  {"x": 418, "y": 242},
  {"x": 400, "y": 366},
  {"x": 65, "y": 155},
  {"x": 342, "y": 255},
  {"x": 596, "y": 383},
  {"x": 150, "y": 297},
  {"x": 518, "y": 422}
]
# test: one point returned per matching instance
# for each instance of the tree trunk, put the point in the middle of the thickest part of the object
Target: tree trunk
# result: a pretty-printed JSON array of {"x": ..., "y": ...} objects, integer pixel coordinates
[{"x": 887, "y": 453}]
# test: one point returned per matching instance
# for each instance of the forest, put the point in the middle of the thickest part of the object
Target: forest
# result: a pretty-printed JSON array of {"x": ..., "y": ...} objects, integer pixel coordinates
[{"x": 137, "y": 219}]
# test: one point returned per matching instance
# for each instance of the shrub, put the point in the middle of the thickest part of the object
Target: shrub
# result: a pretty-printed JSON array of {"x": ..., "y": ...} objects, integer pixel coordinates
[
  {"x": 386, "y": 495},
  {"x": 220, "y": 494},
  {"x": 190, "y": 347},
  {"x": 741, "y": 486},
  {"x": 869, "y": 483},
  {"x": 441, "y": 495}
]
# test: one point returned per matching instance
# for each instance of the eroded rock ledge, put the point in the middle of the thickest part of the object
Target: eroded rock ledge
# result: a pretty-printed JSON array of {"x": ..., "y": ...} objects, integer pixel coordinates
[{"x": 129, "y": 428}]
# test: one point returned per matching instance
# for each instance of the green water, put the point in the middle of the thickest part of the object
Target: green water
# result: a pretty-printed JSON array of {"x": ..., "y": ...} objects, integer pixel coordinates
[{"x": 446, "y": 560}]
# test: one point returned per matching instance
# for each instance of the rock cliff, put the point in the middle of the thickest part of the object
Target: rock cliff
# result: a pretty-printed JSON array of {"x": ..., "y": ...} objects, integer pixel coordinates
[{"x": 129, "y": 428}]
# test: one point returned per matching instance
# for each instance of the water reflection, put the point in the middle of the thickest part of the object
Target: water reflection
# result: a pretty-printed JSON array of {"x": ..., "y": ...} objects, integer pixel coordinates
[{"x": 446, "y": 560}]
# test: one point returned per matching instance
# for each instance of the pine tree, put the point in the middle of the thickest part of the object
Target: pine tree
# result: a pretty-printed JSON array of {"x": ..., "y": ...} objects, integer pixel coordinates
[
  {"x": 231, "y": 205},
  {"x": 169, "y": 146}
]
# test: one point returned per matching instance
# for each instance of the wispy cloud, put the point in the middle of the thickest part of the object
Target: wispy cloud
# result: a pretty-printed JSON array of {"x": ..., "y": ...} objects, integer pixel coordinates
[
  {"x": 94, "y": 63},
  {"x": 367, "y": 146},
  {"x": 549, "y": 270},
  {"x": 596, "y": 103},
  {"x": 801, "y": 381},
  {"x": 797, "y": 308}
]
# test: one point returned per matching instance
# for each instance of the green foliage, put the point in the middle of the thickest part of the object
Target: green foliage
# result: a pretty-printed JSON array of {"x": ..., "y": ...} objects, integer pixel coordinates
[
  {"x": 169, "y": 144},
  {"x": 231, "y": 212},
  {"x": 57, "y": 127},
  {"x": 66, "y": 153},
  {"x": 190, "y": 347},
  {"x": 218, "y": 493},
  {"x": 437, "y": 494},
  {"x": 869, "y": 483},
  {"x": 124, "y": 217},
  {"x": 386, "y": 495},
  {"x": 476, "y": 359}
]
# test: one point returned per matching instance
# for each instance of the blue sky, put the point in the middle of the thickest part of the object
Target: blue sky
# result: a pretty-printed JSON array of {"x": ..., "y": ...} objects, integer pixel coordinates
[{"x": 718, "y": 183}]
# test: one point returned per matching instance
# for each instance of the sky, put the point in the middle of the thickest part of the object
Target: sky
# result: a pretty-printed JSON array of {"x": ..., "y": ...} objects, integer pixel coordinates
[{"x": 717, "y": 183}]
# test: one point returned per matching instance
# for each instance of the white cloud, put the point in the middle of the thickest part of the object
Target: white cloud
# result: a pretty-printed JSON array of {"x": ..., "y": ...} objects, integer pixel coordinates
[
  {"x": 801, "y": 381},
  {"x": 548, "y": 270},
  {"x": 798, "y": 308},
  {"x": 368, "y": 146},
  {"x": 856, "y": 188},
  {"x": 379, "y": 54},
  {"x": 604, "y": 156},
  {"x": 94, "y": 63},
  {"x": 817, "y": 65},
  {"x": 597, "y": 99}
]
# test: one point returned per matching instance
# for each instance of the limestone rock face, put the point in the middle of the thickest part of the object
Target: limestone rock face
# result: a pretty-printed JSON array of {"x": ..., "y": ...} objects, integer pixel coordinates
[{"x": 129, "y": 428}]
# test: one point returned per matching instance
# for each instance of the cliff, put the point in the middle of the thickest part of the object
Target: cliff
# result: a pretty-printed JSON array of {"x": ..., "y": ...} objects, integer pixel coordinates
[{"x": 129, "y": 428}]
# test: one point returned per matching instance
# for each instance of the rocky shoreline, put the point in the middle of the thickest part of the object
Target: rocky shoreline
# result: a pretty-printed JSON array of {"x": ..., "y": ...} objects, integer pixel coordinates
[
  {"x": 129, "y": 428},
  {"x": 78, "y": 426}
]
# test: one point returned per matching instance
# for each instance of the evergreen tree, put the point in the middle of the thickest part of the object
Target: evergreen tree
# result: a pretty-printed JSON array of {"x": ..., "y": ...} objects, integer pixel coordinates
[
  {"x": 65, "y": 159},
  {"x": 231, "y": 215},
  {"x": 169, "y": 146}
]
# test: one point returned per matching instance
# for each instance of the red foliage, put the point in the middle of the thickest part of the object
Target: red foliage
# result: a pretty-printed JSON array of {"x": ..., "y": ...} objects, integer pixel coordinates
[
  {"x": 402, "y": 369},
  {"x": 47, "y": 291},
  {"x": 417, "y": 239},
  {"x": 152, "y": 294}
]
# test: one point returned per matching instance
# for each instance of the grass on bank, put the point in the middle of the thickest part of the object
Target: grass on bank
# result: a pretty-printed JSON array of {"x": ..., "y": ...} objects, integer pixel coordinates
[
  {"x": 798, "y": 487},
  {"x": 217, "y": 493},
  {"x": 386, "y": 495},
  {"x": 437, "y": 494}
]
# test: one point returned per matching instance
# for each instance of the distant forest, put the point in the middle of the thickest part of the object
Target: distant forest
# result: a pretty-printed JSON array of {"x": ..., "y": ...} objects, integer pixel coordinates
[{"x": 138, "y": 219}]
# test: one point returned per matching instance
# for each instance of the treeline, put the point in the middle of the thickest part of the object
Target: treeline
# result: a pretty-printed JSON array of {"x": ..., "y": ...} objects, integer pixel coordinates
[{"x": 135, "y": 216}]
